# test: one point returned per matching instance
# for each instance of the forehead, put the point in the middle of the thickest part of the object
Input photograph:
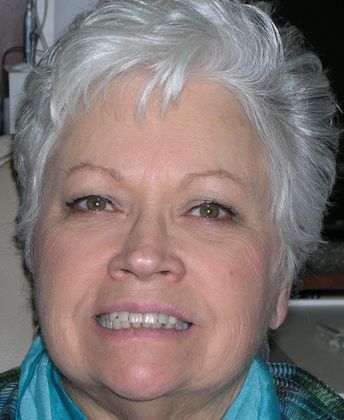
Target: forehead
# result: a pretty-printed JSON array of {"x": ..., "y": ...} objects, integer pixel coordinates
[{"x": 207, "y": 129}]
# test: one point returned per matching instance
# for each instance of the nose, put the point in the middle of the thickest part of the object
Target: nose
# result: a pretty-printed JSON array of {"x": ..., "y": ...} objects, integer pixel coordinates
[{"x": 147, "y": 253}]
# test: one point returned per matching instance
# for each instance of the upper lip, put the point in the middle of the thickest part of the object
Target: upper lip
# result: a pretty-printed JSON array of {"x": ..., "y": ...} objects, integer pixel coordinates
[{"x": 145, "y": 307}]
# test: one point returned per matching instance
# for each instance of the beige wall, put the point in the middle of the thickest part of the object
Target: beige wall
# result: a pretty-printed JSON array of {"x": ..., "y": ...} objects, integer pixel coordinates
[{"x": 16, "y": 328}]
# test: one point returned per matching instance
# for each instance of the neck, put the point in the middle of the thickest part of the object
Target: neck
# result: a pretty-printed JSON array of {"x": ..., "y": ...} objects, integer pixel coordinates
[{"x": 107, "y": 405}]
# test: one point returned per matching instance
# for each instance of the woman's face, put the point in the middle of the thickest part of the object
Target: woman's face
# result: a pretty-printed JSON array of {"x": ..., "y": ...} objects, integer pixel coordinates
[{"x": 165, "y": 218}]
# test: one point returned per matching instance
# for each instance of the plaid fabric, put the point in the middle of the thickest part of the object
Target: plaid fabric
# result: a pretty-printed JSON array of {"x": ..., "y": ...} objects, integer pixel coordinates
[
  {"x": 301, "y": 395},
  {"x": 8, "y": 394}
]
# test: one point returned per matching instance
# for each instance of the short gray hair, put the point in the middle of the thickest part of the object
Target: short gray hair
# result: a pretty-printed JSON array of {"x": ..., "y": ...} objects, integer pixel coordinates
[{"x": 280, "y": 84}]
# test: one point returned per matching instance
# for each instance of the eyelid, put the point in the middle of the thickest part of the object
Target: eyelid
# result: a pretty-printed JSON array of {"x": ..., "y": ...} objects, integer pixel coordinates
[
  {"x": 75, "y": 201},
  {"x": 231, "y": 211}
]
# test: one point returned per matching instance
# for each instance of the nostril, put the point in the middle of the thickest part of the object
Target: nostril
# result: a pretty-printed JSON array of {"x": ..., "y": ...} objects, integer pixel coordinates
[
  {"x": 162, "y": 272},
  {"x": 146, "y": 263}
]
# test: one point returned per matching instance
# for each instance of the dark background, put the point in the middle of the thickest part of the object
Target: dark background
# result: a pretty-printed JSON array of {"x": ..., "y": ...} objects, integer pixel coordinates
[
  {"x": 323, "y": 26},
  {"x": 322, "y": 23}
]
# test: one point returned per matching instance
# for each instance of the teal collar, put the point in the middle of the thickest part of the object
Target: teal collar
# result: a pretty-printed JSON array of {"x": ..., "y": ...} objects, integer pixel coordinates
[
  {"x": 41, "y": 394},
  {"x": 257, "y": 398}
]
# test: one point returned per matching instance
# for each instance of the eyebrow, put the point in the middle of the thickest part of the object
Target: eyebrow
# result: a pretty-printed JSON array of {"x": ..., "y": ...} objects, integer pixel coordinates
[
  {"x": 218, "y": 173},
  {"x": 114, "y": 173},
  {"x": 187, "y": 179}
]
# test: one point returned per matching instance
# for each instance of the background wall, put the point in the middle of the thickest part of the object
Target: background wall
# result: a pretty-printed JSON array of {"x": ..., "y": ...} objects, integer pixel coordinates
[
  {"x": 60, "y": 12},
  {"x": 11, "y": 28},
  {"x": 67, "y": 8}
]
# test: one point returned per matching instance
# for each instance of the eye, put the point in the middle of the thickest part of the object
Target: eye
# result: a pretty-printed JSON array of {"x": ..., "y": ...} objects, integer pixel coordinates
[
  {"x": 91, "y": 203},
  {"x": 213, "y": 210}
]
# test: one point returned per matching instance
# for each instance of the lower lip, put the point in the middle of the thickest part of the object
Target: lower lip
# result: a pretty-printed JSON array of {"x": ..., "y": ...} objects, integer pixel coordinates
[{"x": 151, "y": 333}]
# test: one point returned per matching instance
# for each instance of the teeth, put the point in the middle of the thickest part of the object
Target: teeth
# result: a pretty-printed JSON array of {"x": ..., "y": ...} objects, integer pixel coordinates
[
  {"x": 150, "y": 318},
  {"x": 113, "y": 316},
  {"x": 119, "y": 320},
  {"x": 123, "y": 316},
  {"x": 135, "y": 318}
]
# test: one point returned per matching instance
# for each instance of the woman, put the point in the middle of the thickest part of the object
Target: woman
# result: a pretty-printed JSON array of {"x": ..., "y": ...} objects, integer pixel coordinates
[{"x": 174, "y": 158}]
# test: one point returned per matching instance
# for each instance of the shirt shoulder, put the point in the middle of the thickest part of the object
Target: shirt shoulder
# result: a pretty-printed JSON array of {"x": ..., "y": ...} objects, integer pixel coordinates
[
  {"x": 9, "y": 393},
  {"x": 302, "y": 396}
]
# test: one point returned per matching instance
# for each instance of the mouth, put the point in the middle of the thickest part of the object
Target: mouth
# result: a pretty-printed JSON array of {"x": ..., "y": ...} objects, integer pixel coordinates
[{"x": 126, "y": 320}]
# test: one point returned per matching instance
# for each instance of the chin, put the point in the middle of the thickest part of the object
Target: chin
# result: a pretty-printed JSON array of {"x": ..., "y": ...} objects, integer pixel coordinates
[{"x": 142, "y": 383}]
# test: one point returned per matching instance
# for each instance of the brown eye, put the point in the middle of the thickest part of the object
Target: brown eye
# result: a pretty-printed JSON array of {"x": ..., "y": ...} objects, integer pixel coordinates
[
  {"x": 93, "y": 203},
  {"x": 213, "y": 210},
  {"x": 96, "y": 203},
  {"x": 209, "y": 210}
]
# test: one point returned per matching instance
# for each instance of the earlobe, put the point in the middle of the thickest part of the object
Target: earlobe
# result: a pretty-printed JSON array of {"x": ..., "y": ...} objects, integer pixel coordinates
[{"x": 281, "y": 309}]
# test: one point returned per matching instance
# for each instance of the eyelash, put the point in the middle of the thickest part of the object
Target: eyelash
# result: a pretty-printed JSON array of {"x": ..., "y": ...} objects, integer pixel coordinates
[
  {"x": 73, "y": 205},
  {"x": 230, "y": 211}
]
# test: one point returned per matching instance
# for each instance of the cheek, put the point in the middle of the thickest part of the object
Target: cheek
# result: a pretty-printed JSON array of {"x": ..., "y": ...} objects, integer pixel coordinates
[
  {"x": 67, "y": 254},
  {"x": 238, "y": 293},
  {"x": 69, "y": 273},
  {"x": 233, "y": 289},
  {"x": 240, "y": 272},
  {"x": 65, "y": 275}
]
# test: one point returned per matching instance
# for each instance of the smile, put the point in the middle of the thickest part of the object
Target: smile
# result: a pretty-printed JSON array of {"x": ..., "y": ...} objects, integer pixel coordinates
[{"x": 124, "y": 320}]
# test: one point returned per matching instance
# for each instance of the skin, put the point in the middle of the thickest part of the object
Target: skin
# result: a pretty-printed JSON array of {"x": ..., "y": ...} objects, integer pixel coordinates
[{"x": 152, "y": 248}]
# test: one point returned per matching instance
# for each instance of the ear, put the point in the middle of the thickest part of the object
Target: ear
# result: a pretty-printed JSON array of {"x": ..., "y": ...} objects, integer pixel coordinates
[{"x": 280, "y": 312}]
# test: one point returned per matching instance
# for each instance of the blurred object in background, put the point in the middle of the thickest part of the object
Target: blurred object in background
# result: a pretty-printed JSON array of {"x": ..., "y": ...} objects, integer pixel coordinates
[
  {"x": 31, "y": 26},
  {"x": 30, "y": 33}
]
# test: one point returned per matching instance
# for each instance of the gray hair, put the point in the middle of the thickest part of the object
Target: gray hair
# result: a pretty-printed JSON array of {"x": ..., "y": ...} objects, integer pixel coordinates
[{"x": 280, "y": 84}]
